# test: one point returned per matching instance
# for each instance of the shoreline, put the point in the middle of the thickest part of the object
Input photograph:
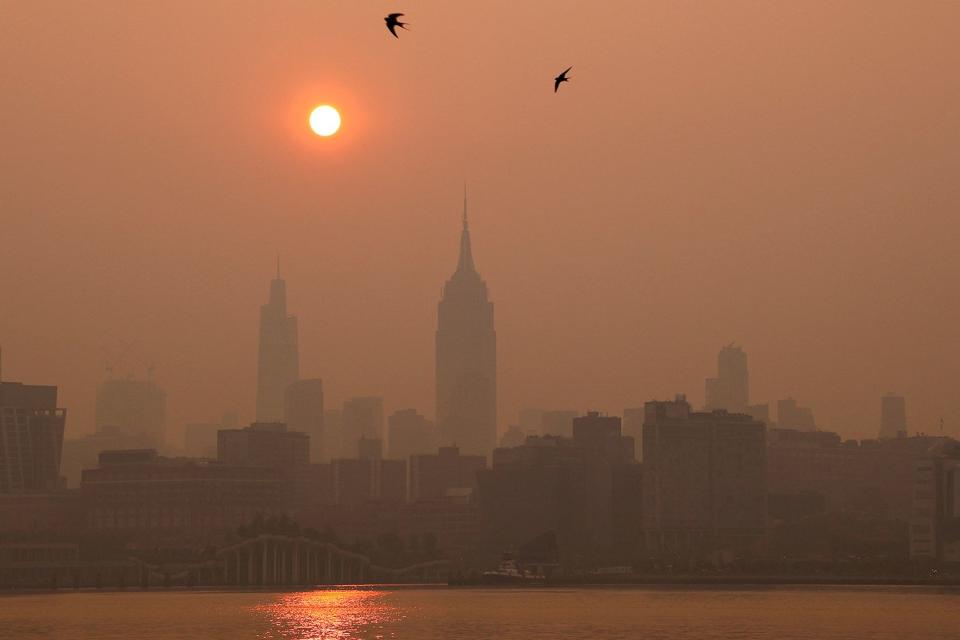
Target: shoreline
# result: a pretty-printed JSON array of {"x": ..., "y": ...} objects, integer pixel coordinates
[{"x": 679, "y": 582}]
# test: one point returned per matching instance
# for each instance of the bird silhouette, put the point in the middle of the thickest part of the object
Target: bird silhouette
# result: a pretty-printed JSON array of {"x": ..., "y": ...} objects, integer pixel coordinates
[
  {"x": 393, "y": 22},
  {"x": 561, "y": 78}
]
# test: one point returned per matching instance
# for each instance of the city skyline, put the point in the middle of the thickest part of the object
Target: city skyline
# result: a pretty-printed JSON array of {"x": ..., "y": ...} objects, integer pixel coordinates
[
  {"x": 804, "y": 214},
  {"x": 274, "y": 321},
  {"x": 682, "y": 365}
]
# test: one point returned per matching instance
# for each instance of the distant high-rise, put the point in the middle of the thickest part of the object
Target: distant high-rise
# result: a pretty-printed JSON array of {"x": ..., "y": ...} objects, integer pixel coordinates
[
  {"x": 730, "y": 390},
  {"x": 409, "y": 434},
  {"x": 336, "y": 445},
  {"x": 792, "y": 416},
  {"x": 893, "y": 416},
  {"x": 558, "y": 422},
  {"x": 303, "y": 411},
  {"x": 633, "y": 428},
  {"x": 31, "y": 438},
  {"x": 137, "y": 408},
  {"x": 548, "y": 422},
  {"x": 466, "y": 351},
  {"x": 361, "y": 418},
  {"x": 278, "y": 365}
]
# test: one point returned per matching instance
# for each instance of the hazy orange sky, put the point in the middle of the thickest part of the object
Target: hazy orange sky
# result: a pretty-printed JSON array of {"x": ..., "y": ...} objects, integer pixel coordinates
[{"x": 779, "y": 174}]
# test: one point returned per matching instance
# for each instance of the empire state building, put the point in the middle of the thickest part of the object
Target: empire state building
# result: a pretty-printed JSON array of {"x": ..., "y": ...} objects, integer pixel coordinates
[{"x": 466, "y": 358}]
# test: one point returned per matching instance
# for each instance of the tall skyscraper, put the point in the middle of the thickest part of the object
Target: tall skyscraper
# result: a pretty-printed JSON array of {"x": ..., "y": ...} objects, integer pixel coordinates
[
  {"x": 893, "y": 416},
  {"x": 303, "y": 411},
  {"x": 31, "y": 438},
  {"x": 466, "y": 350},
  {"x": 730, "y": 390},
  {"x": 278, "y": 365}
]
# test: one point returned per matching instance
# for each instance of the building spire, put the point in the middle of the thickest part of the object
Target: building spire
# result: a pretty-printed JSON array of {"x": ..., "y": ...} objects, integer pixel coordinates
[
  {"x": 278, "y": 264},
  {"x": 466, "y": 255}
]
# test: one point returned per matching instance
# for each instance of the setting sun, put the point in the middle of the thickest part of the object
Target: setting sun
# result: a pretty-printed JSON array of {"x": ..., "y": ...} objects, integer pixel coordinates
[{"x": 325, "y": 120}]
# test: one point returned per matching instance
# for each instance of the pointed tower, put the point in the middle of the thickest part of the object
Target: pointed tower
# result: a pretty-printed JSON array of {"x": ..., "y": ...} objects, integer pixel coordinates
[
  {"x": 466, "y": 366},
  {"x": 278, "y": 364}
]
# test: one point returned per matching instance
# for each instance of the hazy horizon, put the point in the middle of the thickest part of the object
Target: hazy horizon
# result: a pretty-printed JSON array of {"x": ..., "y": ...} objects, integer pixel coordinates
[{"x": 682, "y": 192}]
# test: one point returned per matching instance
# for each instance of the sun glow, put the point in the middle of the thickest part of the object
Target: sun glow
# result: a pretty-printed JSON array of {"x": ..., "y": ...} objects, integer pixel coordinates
[{"x": 325, "y": 120}]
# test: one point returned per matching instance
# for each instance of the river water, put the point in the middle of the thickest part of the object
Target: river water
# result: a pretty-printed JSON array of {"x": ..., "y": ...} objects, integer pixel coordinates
[{"x": 650, "y": 613}]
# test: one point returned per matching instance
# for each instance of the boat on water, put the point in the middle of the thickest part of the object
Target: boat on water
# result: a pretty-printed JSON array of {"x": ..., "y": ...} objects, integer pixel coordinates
[{"x": 511, "y": 572}]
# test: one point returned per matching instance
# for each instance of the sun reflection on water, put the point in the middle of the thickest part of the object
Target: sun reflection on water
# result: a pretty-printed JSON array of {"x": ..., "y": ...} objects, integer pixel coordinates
[{"x": 348, "y": 614}]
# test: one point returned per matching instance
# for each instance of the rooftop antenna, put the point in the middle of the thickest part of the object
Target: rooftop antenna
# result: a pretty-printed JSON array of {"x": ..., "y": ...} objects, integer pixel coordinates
[{"x": 278, "y": 264}]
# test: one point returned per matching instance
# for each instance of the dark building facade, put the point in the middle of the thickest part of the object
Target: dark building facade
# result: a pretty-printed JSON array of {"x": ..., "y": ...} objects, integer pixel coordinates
[
  {"x": 361, "y": 481},
  {"x": 148, "y": 497},
  {"x": 466, "y": 358},
  {"x": 435, "y": 476},
  {"x": 935, "y": 521},
  {"x": 870, "y": 477},
  {"x": 605, "y": 451},
  {"x": 704, "y": 485},
  {"x": 31, "y": 438},
  {"x": 264, "y": 444},
  {"x": 584, "y": 491},
  {"x": 533, "y": 490},
  {"x": 278, "y": 363}
]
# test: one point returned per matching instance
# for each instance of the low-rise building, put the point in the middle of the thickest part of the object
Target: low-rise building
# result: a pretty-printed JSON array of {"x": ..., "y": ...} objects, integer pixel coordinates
[
  {"x": 870, "y": 477},
  {"x": 704, "y": 486},
  {"x": 935, "y": 522},
  {"x": 141, "y": 494}
]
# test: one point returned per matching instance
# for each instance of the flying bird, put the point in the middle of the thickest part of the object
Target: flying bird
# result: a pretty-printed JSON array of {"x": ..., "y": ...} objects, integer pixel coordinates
[
  {"x": 393, "y": 22},
  {"x": 561, "y": 78}
]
